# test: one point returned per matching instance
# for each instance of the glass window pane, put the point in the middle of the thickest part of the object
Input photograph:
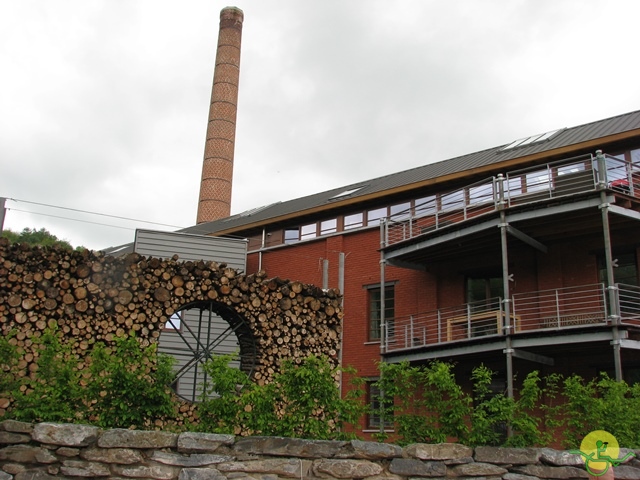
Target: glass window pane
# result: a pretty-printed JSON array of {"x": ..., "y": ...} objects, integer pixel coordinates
[
  {"x": 174, "y": 322},
  {"x": 452, "y": 200},
  {"x": 401, "y": 211},
  {"x": 537, "y": 181},
  {"x": 308, "y": 231},
  {"x": 425, "y": 206},
  {"x": 375, "y": 313},
  {"x": 328, "y": 226},
  {"x": 291, "y": 235},
  {"x": 353, "y": 221},
  {"x": 481, "y": 194},
  {"x": 377, "y": 214}
]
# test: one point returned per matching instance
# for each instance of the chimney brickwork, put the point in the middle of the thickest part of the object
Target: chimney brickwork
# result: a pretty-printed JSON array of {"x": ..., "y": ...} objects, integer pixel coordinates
[{"x": 217, "y": 166}]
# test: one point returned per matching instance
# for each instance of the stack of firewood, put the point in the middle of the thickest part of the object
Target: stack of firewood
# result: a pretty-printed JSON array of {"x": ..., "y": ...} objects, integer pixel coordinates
[{"x": 88, "y": 297}]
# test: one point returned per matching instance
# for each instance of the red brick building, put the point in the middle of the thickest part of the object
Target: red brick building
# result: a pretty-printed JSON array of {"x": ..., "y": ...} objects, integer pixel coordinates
[{"x": 522, "y": 257}]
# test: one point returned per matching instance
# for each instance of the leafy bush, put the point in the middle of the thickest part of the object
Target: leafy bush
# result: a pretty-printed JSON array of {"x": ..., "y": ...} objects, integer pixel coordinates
[
  {"x": 303, "y": 401},
  {"x": 123, "y": 386},
  {"x": 430, "y": 406},
  {"x": 601, "y": 404},
  {"x": 129, "y": 385}
]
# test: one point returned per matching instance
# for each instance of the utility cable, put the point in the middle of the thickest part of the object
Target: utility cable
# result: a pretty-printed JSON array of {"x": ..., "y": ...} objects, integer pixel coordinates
[
  {"x": 68, "y": 218},
  {"x": 91, "y": 213}
]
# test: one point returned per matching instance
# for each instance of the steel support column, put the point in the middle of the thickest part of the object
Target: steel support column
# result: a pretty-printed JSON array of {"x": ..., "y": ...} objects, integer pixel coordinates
[
  {"x": 614, "y": 313},
  {"x": 505, "y": 284}
]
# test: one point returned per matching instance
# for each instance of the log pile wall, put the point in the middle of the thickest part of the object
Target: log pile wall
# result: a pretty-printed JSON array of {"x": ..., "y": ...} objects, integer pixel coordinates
[{"x": 89, "y": 297}]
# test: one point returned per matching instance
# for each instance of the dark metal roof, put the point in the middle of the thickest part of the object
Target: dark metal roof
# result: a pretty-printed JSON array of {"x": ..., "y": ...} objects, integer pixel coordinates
[{"x": 432, "y": 171}]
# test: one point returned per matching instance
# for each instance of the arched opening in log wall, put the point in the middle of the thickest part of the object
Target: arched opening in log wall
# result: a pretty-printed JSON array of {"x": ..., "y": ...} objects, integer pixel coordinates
[
  {"x": 200, "y": 331},
  {"x": 89, "y": 297}
]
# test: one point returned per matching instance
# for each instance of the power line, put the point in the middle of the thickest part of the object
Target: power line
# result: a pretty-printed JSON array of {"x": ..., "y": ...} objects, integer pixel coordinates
[
  {"x": 68, "y": 218},
  {"x": 91, "y": 213}
]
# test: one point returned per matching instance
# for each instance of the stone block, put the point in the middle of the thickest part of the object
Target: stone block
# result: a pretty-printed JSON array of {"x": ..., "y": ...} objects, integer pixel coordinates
[
  {"x": 65, "y": 434},
  {"x": 79, "y": 468},
  {"x": 123, "y": 438},
  {"x": 507, "y": 456},
  {"x": 413, "y": 467},
  {"x": 339, "y": 468},
  {"x": 194, "y": 460},
  {"x": 439, "y": 451},
  {"x": 289, "y": 447},
  {"x": 374, "y": 450},
  {"x": 123, "y": 456},
  {"x": 193, "y": 442}
]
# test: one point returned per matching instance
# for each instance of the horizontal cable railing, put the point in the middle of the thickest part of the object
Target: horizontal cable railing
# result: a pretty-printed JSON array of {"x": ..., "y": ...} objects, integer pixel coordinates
[
  {"x": 463, "y": 322},
  {"x": 437, "y": 211},
  {"x": 559, "y": 308},
  {"x": 629, "y": 303},
  {"x": 519, "y": 187},
  {"x": 553, "y": 309}
]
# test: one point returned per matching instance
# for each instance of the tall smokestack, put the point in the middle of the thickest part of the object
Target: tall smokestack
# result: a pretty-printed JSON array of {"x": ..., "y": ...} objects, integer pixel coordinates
[{"x": 217, "y": 167}]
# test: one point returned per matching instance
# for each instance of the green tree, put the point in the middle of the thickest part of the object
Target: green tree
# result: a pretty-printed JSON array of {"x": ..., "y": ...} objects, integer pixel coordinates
[{"x": 32, "y": 236}]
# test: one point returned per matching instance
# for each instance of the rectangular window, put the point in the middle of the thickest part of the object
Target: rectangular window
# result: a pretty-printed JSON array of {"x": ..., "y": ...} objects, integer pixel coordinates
[
  {"x": 625, "y": 270},
  {"x": 291, "y": 235},
  {"x": 379, "y": 407},
  {"x": 399, "y": 212},
  {"x": 425, "y": 206},
  {"x": 308, "y": 231},
  {"x": 353, "y": 221},
  {"x": 373, "y": 216},
  {"x": 481, "y": 194},
  {"x": 174, "y": 322},
  {"x": 375, "y": 312},
  {"x": 537, "y": 181},
  {"x": 452, "y": 201},
  {"x": 328, "y": 226}
]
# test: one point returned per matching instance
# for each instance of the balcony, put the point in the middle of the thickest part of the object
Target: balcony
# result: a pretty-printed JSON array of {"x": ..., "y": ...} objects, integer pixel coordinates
[
  {"x": 542, "y": 183},
  {"x": 547, "y": 312}
]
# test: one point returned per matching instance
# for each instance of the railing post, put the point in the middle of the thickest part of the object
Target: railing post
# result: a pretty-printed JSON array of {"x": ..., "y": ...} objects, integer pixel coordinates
[
  {"x": 601, "y": 162},
  {"x": 406, "y": 331},
  {"x": 558, "y": 308},
  {"x": 411, "y": 329},
  {"x": 439, "y": 327},
  {"x": 468, "y": 320}
]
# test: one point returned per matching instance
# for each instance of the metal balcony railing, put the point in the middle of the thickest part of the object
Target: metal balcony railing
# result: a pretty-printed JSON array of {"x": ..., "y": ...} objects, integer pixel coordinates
[
  {"x": 535, "y": 184},
  {"x": 547, "y": 310}
]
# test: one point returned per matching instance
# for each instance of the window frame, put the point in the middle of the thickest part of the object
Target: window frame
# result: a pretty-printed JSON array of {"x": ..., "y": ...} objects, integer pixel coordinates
[
  {"x": 374, "y": 325},
  {"x": 374, "y": 400}
]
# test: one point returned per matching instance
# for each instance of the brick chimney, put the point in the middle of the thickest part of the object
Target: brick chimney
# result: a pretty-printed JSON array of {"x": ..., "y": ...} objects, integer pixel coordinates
[{"x": 217, "y": 167}]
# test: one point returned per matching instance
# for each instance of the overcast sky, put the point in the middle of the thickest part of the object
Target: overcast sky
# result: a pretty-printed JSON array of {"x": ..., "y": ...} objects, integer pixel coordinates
[{"x": 104, "y": 104}]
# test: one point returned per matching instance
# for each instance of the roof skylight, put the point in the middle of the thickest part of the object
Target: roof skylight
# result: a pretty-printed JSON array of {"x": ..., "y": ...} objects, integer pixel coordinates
[
  {"x": 346, "y": 192},
  {"x": 541, "y": 137}
]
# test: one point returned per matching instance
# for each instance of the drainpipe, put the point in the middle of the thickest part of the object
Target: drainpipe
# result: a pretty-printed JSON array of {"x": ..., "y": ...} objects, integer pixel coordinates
[
  {"x": 614, "y": 313},
  {"x": 262, "y": 246},
  {"x": 2, "y": 212},
  {"x": 505, "y": 286},
  {"x": 382, "y": 313},
  {"x": 341, "y": 258}
]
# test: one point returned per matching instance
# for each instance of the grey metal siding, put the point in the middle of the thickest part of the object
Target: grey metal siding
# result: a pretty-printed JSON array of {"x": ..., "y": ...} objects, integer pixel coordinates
[{"x": 231, "y": 251}]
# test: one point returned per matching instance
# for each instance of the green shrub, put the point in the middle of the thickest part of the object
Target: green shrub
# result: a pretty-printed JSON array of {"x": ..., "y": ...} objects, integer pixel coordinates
[
  {"x": 302, "y": 401},
  {"x": 601, "y": 404},
  {"x": 54, "y": 393},
  {"x": 129, "y": 385}
]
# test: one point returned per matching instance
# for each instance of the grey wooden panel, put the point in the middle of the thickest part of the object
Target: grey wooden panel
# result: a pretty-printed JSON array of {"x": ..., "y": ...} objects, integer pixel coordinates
[{"x": 189, "y": 247}]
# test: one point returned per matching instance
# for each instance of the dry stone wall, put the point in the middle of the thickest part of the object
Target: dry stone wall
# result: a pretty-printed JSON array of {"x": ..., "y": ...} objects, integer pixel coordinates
[
  {"x": 90, "y": 297},
  {"x": 48, "y": 451}
]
